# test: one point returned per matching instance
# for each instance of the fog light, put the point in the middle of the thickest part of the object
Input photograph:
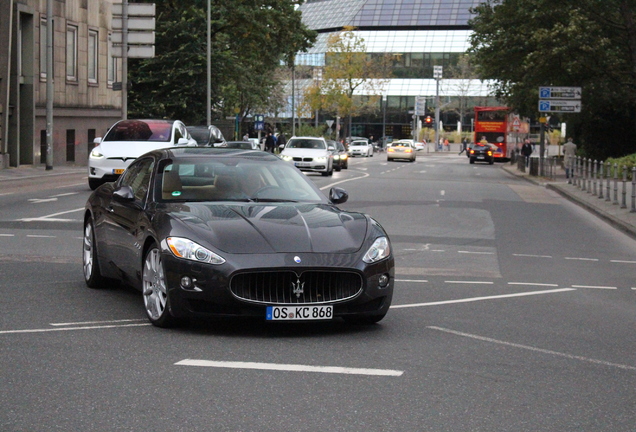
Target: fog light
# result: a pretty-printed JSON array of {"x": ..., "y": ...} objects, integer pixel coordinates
[
  {"x": 186, "y": 282},
  {"x": 383, "y": 281}
]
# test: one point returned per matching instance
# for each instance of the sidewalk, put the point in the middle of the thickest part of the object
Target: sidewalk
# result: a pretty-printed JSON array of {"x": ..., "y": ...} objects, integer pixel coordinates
[
  {"x": 39, "y": 171},
  {"x": 621, "y": 218}
]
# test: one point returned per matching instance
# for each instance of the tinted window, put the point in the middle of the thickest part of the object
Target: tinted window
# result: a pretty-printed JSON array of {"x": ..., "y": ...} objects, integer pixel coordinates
[
  {"x": 137, "y": 130},
  {"x": 137, "y": 176},
  {"x": 306, "y": 143}
]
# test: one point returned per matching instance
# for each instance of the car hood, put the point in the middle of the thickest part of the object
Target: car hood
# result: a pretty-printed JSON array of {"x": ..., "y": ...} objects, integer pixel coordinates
[
  {"x": 273, "y": 228},
  {"x": 130, "y": 149},
  {"x": 301, "y": 152}
]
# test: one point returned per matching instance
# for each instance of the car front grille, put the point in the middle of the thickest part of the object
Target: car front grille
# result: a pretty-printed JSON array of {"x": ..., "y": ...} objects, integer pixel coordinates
[
  {"x": 288, "y": 287},
  {"x": 300, "y": 159}
]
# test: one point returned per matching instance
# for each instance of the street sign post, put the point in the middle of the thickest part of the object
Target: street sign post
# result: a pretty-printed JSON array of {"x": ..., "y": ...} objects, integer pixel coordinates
[
  {"x": 560, "y": 105},
  {"x": 560, "y": 92},
  {"x": 259, "y": 122}
]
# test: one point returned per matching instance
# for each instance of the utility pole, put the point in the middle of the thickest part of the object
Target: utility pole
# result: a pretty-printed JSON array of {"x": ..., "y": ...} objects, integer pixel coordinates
[
  {"x": 437, "y": 74},
  {"x": 124, "y": 60}
]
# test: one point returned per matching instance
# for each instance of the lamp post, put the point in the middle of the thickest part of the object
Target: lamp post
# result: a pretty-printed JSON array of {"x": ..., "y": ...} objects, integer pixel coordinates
[
  {"x": 49, "y": 84},
  {"x": 384, "y": 98},
  {"x": 437, "y": 74},
  {"x": 208, "y": 117},
  {"x": 317, "y": 81}
]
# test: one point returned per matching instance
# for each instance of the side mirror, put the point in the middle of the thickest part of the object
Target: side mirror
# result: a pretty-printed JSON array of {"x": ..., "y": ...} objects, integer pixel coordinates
[
  {"x": 338, "y": 195},
  {"x": 124, "y": 193},
  {"x": 183, "y": 142},
  {"x": 331, "y": 148},
  {"x": 97, "y": 141}
]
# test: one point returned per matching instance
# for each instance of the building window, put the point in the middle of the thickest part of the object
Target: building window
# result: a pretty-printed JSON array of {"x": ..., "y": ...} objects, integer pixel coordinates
[
  {"x": 70, "y": 145},
  {"x": 71, "y": 53},
  {"x": 43, "y": 146},
  {"x": 93, "y": 42}
]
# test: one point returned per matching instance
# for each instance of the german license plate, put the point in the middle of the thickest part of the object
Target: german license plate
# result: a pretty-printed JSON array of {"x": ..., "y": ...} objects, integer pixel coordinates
[
  {"x": 289, "y": 313},
  {"x": 302, "y": 164},
  {"x": 480, "y": 157},
  {"x": 118, "y": 171}
]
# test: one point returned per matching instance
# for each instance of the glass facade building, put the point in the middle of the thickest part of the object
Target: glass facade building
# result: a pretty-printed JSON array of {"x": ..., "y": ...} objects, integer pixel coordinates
[{"x": 418, "y": 35}]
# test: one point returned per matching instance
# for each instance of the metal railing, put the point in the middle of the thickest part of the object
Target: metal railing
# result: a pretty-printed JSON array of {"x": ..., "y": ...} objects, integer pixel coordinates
[{"x": 602, "y": 180}]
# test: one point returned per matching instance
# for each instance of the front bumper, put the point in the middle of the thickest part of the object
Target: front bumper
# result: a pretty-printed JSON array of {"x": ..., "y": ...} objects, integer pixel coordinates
[{"x": 214, "y": 293}]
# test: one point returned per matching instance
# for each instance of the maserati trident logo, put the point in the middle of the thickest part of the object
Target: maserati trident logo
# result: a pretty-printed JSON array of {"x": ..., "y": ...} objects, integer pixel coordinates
[{"x": 298, "y": 288}]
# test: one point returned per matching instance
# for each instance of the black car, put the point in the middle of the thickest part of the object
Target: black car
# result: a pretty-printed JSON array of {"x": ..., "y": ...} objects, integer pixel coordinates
[
  {"x": 340, "y": 156},
  {"x": 206, "y": 136},
  {"x": 482, "y": 152},
  {"x": 207, "y": 232}
]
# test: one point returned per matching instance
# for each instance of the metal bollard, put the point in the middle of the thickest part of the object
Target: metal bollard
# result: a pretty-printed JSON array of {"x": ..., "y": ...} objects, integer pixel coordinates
[
  {"x": 608, "y": 174},
  {"x": 600, "y": 178},
  {"x": 624, "y": 190},
  {"x": 575, "y": 171},
  {"x": 583, "y": 173},
  {"x": 594, "y": 176},
  {"x": 633, "y": 210},
  {"x": 589, "y": 175},
  {"x": 615, "y": 202}
]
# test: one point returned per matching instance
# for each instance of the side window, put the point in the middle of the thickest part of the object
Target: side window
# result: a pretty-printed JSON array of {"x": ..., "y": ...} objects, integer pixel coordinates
[
  {"x": 137, "y": 176},
  {"x": 178, "y": 133}
]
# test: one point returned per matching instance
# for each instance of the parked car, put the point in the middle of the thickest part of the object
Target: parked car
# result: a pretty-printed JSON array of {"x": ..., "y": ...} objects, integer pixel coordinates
[
  {"x": 340, "y": 156},
  {"x": 482, "y": 152},
  {"x": 208, "y": 232},
  {"x": 206, "y": 136},
  {"x": 311, "y": 154},
  {"x": 360, "y": 148},
  {"x": 402, "y": 149},
  {"x": 255, "y": 143},
  {"x": 128, "y": 139}
]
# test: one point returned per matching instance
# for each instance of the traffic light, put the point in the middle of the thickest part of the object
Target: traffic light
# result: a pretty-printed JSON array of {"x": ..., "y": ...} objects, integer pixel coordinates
[{"x": 428, "y": 121}]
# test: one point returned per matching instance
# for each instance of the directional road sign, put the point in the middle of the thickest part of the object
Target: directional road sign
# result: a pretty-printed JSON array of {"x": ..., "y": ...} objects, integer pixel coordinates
[
  {"x": 560, "y": 92},
  {"x": 572, "y": 106}
]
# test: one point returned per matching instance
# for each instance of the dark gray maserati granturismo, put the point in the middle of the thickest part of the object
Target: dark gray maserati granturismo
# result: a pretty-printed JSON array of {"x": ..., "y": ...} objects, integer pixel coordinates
[{"x": 208, "y": 232}]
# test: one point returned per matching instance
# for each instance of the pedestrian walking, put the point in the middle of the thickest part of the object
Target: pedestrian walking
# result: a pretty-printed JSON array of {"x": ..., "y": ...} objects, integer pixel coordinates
[
  {"x": 569, "y": 153},
  {"x": 270, "y": 143},
  {"x": 464, "y": 145},
  {"x": 526, "y": 151},
  {"x": 446, "y": 145}
]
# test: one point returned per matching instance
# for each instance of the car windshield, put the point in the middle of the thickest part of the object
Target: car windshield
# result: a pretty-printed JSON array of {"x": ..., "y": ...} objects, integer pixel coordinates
[
  {"x": 306, "y": 143},
  {"x": 138, "y": 130},
  {"x": 235, "y": 179},
  {"x": 359, "y": 143}
]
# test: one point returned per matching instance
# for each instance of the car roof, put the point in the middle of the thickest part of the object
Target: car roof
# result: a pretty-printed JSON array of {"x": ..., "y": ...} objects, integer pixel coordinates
[{"x": 212, "y": 153}]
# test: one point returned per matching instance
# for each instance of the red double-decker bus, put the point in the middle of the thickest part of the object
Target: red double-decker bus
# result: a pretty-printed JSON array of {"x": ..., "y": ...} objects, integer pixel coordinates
[{"x": 491, "y": 123}]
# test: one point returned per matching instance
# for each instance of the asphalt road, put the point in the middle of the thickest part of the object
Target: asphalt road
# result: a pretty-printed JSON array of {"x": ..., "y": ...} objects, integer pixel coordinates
[{"x": 514, "y": 310}]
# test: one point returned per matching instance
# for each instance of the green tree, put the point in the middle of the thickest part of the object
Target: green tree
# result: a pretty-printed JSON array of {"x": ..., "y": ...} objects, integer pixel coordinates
[
  {"x": 349, "y": 69},
  {"x": 525, "y": 44},
  {"x": 250, "y": 39}
]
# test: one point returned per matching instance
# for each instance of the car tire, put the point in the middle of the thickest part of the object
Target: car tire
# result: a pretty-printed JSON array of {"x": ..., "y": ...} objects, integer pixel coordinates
[
  {"x": 92, "y": 275},
  {"x": 472, "y": 160},
  {"x": 363, "y": 319},
  {"x": 94, "y": 183},
  {"x": 491, "y": 161},
  {"x": 155, "y": 290},
  {"x": 338, "y": 168}
]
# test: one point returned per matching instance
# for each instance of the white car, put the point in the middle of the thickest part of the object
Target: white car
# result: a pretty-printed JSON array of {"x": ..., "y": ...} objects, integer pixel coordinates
[
  {"x": 360, "y": 148},
  {"x": 310, "y": 154},
  {"x": 126, "y": 140}
]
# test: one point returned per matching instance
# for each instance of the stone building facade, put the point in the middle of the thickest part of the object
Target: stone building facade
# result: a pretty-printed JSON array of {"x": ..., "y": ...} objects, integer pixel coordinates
[{"x": 85, "y": 103}]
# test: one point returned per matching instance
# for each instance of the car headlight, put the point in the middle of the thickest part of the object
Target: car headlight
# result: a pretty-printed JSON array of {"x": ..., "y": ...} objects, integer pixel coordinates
[
  {"x": 286, "y": 158},
  {"x": 96, "y": 153},
  {"x": 187, "y": 249},
  {"x": 344, "y": 156},
  {"x": 380, "y": 249},
  {"x": 336, "y": 157}
]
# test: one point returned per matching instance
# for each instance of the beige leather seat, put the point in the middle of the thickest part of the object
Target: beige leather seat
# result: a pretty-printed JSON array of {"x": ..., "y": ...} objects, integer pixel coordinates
[{"x": 171, "y": 187}]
